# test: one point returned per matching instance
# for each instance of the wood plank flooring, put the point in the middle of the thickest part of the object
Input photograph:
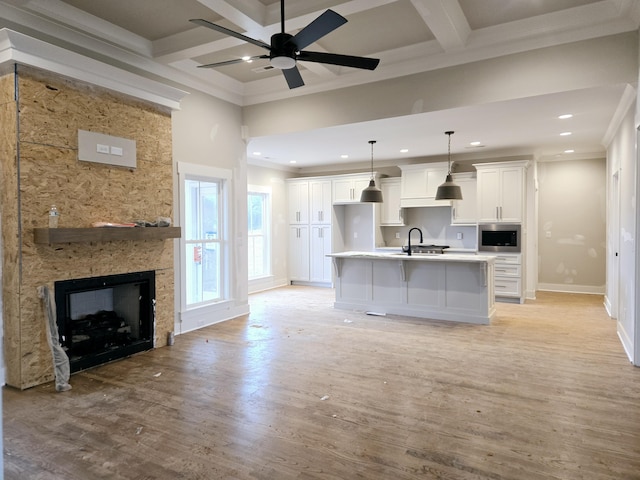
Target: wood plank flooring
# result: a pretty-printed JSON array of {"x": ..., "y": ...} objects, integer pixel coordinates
[{"x": 299, "y": 390}]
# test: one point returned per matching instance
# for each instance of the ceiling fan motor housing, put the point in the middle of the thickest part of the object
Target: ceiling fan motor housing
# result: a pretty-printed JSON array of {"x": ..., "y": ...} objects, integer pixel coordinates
[{"x": 283, "y": 51}]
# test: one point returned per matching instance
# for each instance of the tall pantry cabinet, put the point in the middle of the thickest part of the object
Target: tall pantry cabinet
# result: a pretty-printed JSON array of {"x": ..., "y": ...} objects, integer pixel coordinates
[
  {"x": 310, "y": 209},
  {"x": 501, "y": 195}
]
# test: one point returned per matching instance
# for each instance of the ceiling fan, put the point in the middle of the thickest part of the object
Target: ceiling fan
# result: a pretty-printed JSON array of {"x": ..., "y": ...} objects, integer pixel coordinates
[{"x": 285, "y": 49}]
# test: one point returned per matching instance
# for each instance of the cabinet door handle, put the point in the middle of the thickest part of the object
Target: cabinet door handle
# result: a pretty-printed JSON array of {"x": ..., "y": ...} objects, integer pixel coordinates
[
  {"x": 497, "y": 213},
  {"x": 454, "y": 213}
]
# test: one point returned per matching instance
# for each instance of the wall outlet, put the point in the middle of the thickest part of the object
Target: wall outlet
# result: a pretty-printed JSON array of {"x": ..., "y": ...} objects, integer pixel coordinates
[
  {"x": 459, "y": 235},
  {"x": 397, "y": 234}
]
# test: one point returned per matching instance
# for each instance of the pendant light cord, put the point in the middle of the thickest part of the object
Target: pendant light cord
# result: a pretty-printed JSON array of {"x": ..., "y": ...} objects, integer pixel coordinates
[
  {"x": 449, "y": 133},
  {"x": 372, "y": 142}
]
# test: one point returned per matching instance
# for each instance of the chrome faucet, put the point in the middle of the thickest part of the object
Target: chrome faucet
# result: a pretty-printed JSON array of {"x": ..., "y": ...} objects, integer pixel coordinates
[{"x": 409, "y": 239}]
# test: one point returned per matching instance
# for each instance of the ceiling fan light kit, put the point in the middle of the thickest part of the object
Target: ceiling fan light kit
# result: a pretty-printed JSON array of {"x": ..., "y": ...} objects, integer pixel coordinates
[
  {"x": 285, "y": 49},
  {"x": 449, "y": 190}
]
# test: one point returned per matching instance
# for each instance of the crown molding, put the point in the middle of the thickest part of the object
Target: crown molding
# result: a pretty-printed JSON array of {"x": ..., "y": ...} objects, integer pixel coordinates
[{"x": 17, "y": 48}]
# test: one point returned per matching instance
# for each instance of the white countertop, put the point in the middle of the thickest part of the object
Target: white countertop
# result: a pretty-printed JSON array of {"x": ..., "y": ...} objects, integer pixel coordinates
[{"x": 417, "y": 257}]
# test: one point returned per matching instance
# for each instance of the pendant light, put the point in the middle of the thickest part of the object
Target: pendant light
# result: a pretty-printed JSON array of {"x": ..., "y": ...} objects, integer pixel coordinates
[
  {"x": 449, "y": 190},
  {"x": 371, "y": 194}
]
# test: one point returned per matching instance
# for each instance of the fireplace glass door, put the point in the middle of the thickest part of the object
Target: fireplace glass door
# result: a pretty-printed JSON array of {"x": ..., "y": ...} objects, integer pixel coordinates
[{"x": 104, "y": 318}]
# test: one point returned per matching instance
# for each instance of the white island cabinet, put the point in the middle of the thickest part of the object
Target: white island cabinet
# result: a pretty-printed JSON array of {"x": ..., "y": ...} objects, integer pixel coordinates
[{"x": 458, "y": 288}]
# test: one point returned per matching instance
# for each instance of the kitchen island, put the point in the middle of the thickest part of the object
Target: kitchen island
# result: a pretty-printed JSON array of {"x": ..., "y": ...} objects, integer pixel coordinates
[{"x": 450, "y": 287}]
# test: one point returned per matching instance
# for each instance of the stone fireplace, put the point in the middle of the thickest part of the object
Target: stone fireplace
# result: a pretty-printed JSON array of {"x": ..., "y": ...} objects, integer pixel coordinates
[{"x": 41, "y": 114}]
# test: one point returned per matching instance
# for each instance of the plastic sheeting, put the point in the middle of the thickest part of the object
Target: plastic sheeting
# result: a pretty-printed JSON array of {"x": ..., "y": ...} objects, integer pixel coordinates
[{"x": 60, "y": 358}]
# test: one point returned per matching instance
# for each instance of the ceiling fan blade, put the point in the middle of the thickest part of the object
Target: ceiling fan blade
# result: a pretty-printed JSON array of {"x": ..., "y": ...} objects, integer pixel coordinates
[
  {"x": 230, "y": 62},
  {"x": 337, "y": 59},
  {"x": 221, "y": 29},
  {"x": 325, "y": 23},
  {"x": 293, "y": 77}
]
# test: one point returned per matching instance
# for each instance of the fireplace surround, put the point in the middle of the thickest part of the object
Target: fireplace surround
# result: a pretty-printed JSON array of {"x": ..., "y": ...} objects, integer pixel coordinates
[
  {"x": 42, "y": 114},
  {"x": 105, "y": 318}
]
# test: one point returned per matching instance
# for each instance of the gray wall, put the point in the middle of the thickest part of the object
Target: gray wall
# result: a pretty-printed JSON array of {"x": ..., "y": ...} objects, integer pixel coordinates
[
  {"x": 207, "y": 131},
  {"x": 572, "y": 226}
]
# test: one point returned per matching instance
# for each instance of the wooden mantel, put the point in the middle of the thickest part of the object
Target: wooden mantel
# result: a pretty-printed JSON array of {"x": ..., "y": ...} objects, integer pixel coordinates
[{"x": 103, "y": 234}]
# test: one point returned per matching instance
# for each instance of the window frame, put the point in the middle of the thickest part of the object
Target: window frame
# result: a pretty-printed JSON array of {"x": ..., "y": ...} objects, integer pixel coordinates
[
  {"x": 266, "y": 193},
  {"x": 191, "y": 172}
]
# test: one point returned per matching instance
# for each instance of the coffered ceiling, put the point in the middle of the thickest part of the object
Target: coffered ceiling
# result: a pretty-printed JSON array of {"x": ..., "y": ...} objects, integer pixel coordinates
[{"x": 408, "y": 36}]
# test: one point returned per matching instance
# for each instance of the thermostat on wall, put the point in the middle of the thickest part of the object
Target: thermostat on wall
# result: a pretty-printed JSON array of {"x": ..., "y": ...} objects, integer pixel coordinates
[{"x": 101, "y": 148}]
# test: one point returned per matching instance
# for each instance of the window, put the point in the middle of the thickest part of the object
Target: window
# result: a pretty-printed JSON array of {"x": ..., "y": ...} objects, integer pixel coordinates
[
  {"x": 202, "y": 241},
  {"x": 259, "y": 219},
  {"x": 204, "y": 269}
]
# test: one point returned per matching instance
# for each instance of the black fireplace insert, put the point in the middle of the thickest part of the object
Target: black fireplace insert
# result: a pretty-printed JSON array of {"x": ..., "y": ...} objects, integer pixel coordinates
[{"x": 101, "y": 319}]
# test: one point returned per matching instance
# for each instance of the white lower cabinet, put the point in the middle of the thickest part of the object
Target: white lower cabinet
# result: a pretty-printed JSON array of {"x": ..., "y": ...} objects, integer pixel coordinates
[
  {"x": 320, "y": 264},
  {"x": 299, "y": 268},
  {"x": 508, "y": 276}
]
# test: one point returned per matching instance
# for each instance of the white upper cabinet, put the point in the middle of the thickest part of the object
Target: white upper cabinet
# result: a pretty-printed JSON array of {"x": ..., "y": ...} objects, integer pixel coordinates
[
  {"x": 501, "y": 192},
  {"x": 390, "y": 210},
  {"x": 347, "y": 188},
  {"x": 298, "y": 201},
  {"x": 419, "y": 184},
  {"x": 320, "y": 202},
  {"x": 465, "y": 211}
]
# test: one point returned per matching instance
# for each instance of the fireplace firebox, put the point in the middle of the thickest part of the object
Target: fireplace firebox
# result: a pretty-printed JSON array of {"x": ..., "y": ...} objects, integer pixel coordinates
[{"x": 101, "y": 319}]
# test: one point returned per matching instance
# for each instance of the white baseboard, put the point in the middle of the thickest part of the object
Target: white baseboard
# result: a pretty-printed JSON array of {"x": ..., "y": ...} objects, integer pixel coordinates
[
  {"x": 571, "y": 288},
  {"x": 607, "y": 306},
  {"x": 266, "y": 283},
  {"x": 210, "y": 315},
  {"x": 627, "y": 344}
]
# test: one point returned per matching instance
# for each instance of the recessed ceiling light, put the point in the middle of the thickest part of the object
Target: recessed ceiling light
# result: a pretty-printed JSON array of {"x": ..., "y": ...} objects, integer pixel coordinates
[
  {"x": 569, "y": 151},
  {"x": 292, "y": 161},
  {"x": 404, "y": 150},
  {"x": 565, "y": 134},
  {"x": 344, "y": 155},
  {"x": 475, "y": 144},
  {"x": 565, "y": 116},
  {"x": 257, "y": 154},
  {"x": 246, "y": 58}
]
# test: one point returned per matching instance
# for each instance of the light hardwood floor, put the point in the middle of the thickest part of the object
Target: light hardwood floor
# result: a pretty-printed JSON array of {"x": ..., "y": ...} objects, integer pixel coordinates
[{"x": 298, "y": 390}]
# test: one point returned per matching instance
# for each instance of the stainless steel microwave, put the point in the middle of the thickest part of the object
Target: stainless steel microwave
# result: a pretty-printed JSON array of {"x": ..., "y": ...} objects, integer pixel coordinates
[{"x": 499, "y": 237}]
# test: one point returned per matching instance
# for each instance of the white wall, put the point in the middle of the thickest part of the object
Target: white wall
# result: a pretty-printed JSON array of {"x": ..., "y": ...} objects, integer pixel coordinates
[
  {"x": 208, "y": 132},
  {"x": 622, "y": 163},
  {"x": 275, "y": 180}
]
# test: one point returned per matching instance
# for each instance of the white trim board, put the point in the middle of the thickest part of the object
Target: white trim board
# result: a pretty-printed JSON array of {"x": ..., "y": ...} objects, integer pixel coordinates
[
  {"x": 21, "y": 49},
  {"x": 571, "y": 288}
]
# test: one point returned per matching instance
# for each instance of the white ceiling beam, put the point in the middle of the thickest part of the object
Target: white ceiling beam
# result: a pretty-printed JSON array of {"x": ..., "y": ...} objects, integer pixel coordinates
[
  {"x": 193, "y": 43},
  {"x": 247, "y": 14},
  {"x": 80, "y": 20},
  {"x": 446, "y": 21}
]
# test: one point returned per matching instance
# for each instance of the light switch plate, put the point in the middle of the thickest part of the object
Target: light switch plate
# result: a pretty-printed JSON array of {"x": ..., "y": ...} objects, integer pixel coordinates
[{"x": 100, "y": 148}]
